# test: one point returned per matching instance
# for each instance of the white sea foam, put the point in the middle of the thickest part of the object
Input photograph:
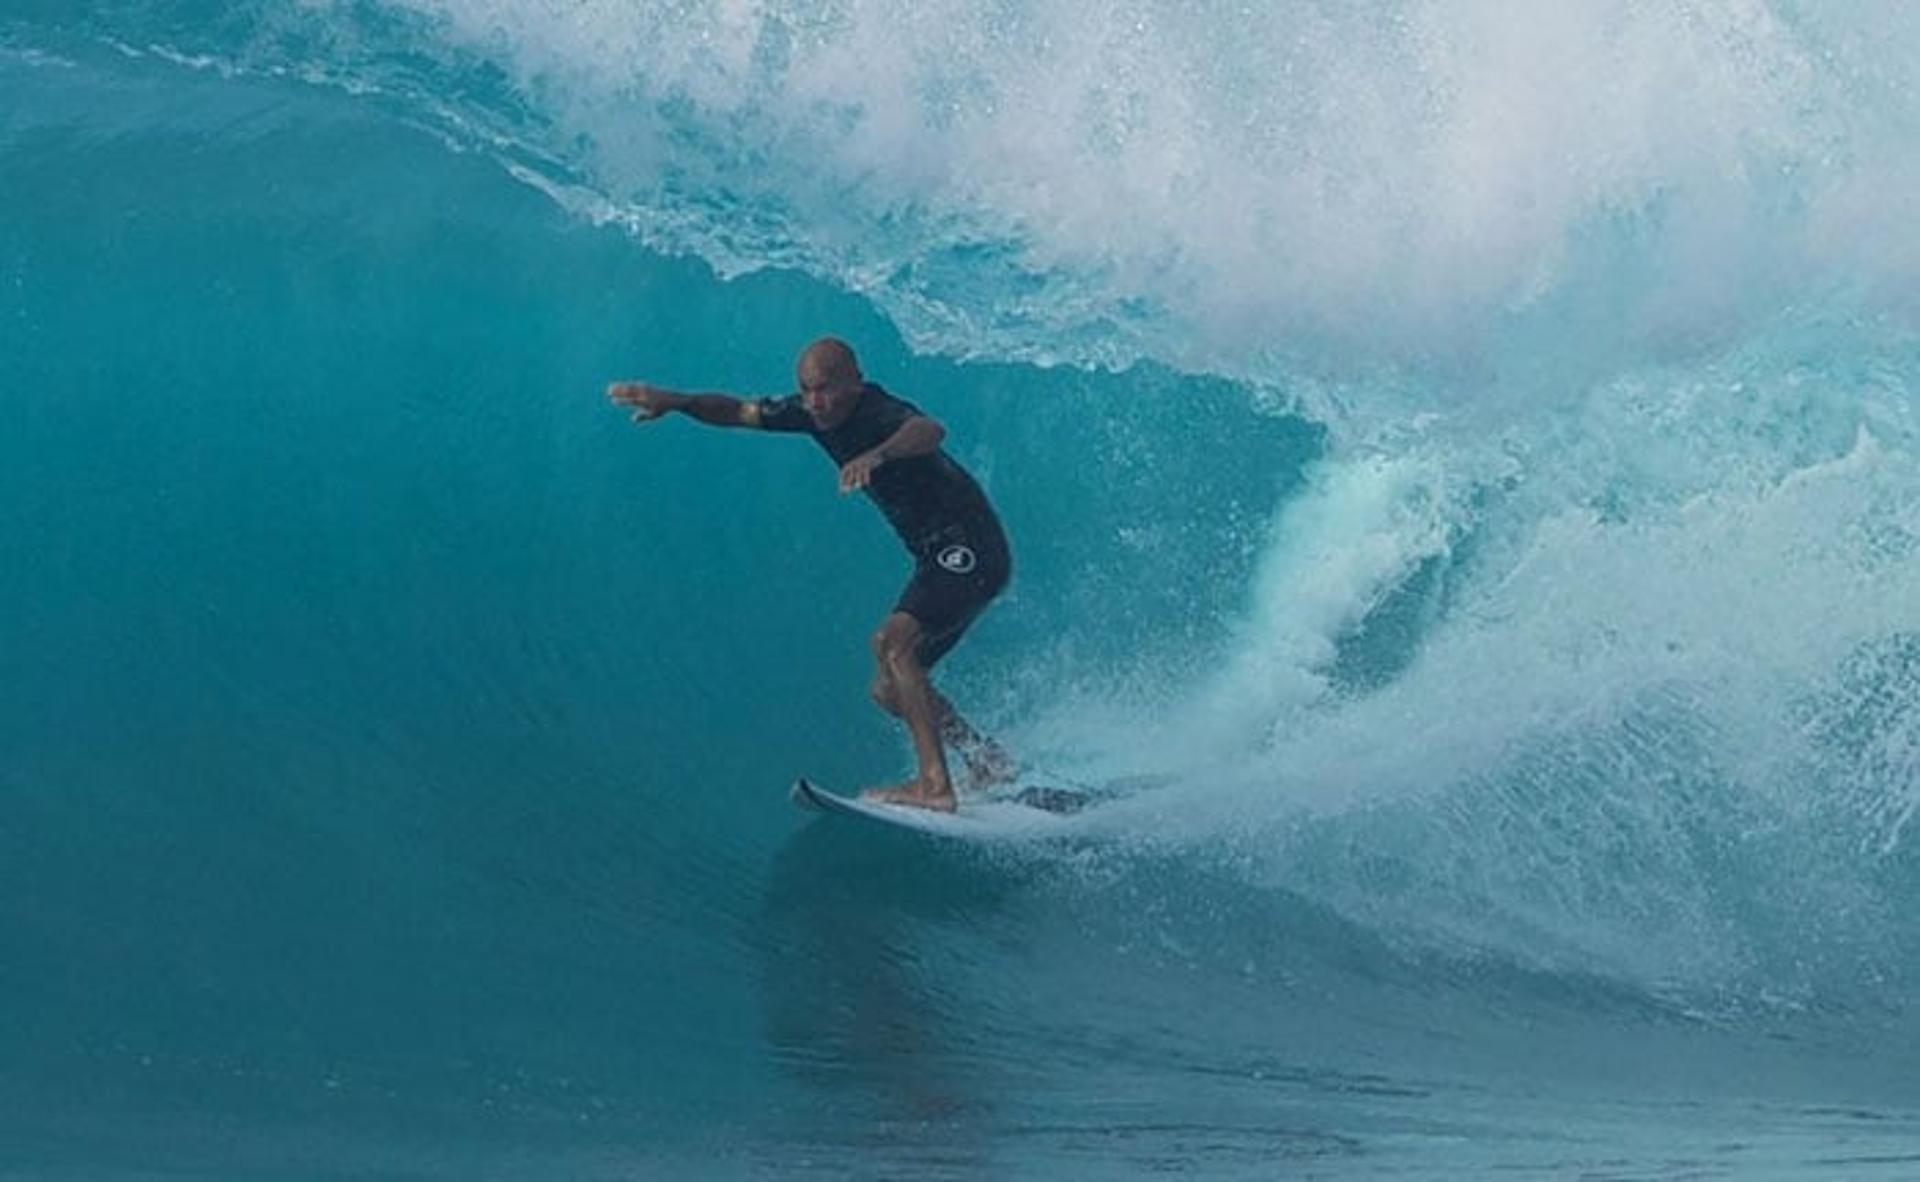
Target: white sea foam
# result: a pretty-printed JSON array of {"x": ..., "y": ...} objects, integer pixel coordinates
[{"x": 1399, "y": 178}]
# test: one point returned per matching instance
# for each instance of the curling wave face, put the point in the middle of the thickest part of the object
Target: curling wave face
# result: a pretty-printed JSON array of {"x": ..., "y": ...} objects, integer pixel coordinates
[{"x": 1609, "y": 313}]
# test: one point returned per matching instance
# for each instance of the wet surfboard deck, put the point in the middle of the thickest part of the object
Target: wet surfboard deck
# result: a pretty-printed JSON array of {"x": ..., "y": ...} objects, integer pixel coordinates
[{"x": 1007, "y": 818}]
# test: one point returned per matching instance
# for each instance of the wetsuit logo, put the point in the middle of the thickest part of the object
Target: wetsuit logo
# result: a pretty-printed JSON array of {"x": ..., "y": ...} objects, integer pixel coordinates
[{"x": 957, "y": 559}]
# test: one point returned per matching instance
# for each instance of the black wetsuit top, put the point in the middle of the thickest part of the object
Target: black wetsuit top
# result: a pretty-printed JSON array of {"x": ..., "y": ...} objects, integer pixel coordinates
[
  {"x": 960, "y": 555},
  {"x": 923, "y": 497}
]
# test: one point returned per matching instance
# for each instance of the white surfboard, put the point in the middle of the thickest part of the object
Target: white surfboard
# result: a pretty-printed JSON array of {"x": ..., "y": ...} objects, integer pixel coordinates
[{"x": 997, "y": 819}]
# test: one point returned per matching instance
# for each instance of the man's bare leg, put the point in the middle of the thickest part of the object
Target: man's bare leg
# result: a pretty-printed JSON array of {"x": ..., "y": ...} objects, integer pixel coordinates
[
  {"x": 988, "y": 763},
  {"x": 905, "y": 686}
]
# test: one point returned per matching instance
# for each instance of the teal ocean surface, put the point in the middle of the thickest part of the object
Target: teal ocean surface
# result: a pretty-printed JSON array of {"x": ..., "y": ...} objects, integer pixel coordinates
[{"x": 1463, "y": 465}]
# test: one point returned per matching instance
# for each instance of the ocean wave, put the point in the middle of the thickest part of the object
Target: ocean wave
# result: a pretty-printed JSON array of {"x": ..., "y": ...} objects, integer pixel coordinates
[{"x": 1609, "y": 559}]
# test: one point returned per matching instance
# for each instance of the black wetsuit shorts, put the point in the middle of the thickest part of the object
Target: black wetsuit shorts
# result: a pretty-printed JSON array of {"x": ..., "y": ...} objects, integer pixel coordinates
[{"x": 957, "y": 572}]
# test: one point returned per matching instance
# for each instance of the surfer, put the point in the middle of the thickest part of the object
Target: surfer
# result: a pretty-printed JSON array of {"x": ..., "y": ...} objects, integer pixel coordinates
[{"x": 888, "y": 447}]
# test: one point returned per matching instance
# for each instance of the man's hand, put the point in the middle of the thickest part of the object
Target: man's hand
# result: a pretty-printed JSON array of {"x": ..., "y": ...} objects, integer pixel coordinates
[
  {"x": 858, "y": 472},
  {"x": 648, "y": 402}
]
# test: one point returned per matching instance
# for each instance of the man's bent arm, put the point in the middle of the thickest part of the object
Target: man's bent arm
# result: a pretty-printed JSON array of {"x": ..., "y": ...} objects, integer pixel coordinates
[{"x": 918, "y": 436}]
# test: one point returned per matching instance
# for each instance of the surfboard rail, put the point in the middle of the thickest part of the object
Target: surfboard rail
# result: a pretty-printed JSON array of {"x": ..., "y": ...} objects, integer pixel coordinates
[{"x": 991, "y": 819}]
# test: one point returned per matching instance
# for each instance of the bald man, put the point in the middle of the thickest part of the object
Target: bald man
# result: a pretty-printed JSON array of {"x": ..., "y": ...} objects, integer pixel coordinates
[{"x": 887, "y": 447}]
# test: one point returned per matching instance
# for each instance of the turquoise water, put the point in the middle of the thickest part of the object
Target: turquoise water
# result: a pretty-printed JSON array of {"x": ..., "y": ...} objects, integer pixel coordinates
[{"x": 1462, "y": 472}]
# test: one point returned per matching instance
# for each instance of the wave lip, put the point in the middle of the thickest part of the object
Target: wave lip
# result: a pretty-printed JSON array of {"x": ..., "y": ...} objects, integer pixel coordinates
[
  {"x": 1247, "y": 194},
  {"x": 1404, "y": 179}
]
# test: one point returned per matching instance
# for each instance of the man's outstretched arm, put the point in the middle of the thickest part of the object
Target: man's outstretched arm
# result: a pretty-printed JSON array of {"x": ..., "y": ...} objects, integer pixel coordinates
[{"x": 715, "y": 410}]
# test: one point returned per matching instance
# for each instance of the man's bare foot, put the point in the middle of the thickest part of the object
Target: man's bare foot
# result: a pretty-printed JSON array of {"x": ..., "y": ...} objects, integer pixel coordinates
[{"x": 913, "y": 793}]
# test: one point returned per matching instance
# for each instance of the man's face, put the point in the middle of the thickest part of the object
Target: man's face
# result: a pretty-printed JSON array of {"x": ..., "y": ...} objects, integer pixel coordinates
[{"x": 828, "y": 398}]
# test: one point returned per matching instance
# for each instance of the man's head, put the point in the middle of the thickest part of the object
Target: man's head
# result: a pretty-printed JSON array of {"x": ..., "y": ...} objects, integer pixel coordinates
[{"x": 830, "y": 380}]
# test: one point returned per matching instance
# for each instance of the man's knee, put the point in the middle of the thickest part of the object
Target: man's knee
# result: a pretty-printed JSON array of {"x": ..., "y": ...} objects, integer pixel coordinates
[
  {"x": 894, "y": 644},
  {"x": 882, "y": 691}
]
